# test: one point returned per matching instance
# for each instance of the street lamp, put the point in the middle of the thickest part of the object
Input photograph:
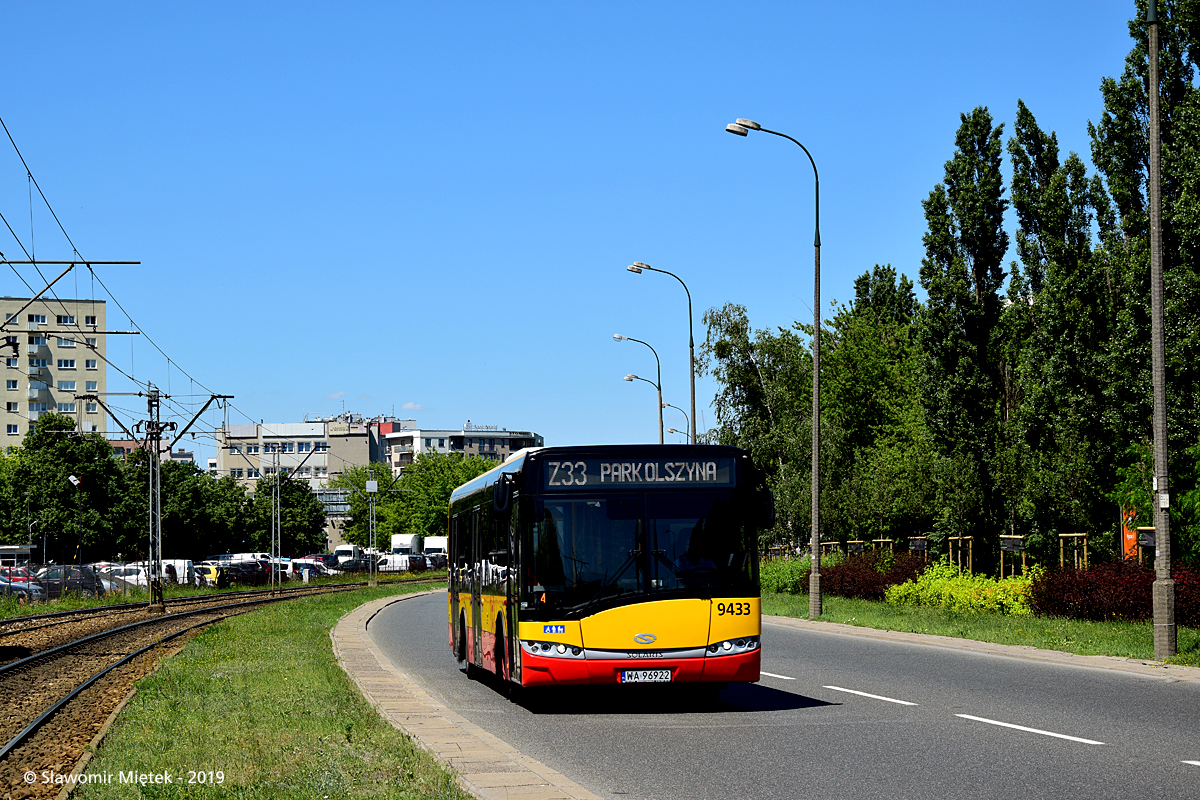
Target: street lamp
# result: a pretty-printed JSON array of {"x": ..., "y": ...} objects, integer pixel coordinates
[
  {"x": 685, "y": 416},
  {"x": 631, "y": 378},
  {"x": 619, "y": 338},
  {"x": 741, "y": 128},
  {"x": 636, "y": 268}
]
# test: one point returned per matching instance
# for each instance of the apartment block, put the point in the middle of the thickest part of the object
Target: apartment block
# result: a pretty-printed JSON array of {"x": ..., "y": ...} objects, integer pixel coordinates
[
  {"x": 399, "y": 442},
  {"x": 53, "y": 351},
  {"x": 312, "y": 451}
]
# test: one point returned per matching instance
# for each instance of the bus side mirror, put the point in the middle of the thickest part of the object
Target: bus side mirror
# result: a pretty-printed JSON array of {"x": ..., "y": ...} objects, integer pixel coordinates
[
  {"x": 502, "y": 493},
  {"x": 766, "y": 508}
]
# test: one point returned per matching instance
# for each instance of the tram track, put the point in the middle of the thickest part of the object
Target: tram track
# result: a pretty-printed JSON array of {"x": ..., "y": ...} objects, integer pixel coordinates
[{"x": 58, "y": 697}]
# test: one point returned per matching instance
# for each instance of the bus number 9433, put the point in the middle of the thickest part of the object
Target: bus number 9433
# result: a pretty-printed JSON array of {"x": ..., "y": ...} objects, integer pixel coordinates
[{"x": 733, "y": 609}]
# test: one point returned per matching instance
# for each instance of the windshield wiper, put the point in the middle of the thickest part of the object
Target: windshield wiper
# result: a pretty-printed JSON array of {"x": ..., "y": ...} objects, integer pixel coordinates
[{"x": 606, "y": 582}]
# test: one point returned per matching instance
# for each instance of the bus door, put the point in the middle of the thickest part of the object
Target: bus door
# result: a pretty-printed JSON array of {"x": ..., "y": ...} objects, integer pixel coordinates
[
  {"x": 510, "y": 592},
  {"x": 476, "y": 573},
  {"x": 454, "y": 567}
]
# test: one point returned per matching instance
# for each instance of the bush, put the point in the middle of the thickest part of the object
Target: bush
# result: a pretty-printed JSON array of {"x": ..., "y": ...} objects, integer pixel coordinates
[
  {"x": 941, "y": 586},
  {"x": 869, "y": 575},
  {"x": 784, "y": 576},
  {"x": 1120, "y": 590},
  {"x": 866, "y": 576}
]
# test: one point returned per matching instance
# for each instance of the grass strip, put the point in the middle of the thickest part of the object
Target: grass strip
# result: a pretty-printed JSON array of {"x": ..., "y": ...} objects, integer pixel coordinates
[
  {"x": 261, "y": 699},
  {"x": 1125, "y": 639}
]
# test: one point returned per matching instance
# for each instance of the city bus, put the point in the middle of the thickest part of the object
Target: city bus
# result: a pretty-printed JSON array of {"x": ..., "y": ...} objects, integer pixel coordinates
[{"x": 609, "y": 564}]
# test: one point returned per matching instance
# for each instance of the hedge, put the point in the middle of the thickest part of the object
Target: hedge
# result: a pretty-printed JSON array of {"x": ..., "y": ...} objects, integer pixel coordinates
[{"x": 1120, "y": 590}]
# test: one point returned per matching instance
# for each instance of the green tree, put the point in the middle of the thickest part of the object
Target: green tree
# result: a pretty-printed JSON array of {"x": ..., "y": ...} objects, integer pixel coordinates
[
  {"x": 870, "y": 394},
  {"x": 962, "y": 274},
  {"x": 389, "y": 512},
  {"x": 426, "y": 485},
  {"x": 76, "y": 522},
  {"x": 1057, "y": 458},
  {"x": 302, "y": 518},
  {"x": 764, "y": 404}
]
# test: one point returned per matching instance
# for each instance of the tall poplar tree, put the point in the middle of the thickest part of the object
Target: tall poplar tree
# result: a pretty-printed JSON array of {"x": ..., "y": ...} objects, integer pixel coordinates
[
  {"x": 962, "y": 273},
  {"x": 1057, "y": 328}
]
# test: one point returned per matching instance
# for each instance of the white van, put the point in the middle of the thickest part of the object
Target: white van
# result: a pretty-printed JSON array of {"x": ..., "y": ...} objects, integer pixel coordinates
[
  {"x": 185, "y": 571},
  {"x": 347, "y": 552}
]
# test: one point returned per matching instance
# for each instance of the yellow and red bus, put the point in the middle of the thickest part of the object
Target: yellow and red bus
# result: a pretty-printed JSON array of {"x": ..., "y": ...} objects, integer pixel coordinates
[{"x": 609, "y": 564}]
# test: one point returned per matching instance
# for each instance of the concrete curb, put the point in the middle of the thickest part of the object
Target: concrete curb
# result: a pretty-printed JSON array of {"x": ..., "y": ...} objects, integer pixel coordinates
[
  {"x": 1136, "y": 666},
  {"x": 487, "y": 766}
]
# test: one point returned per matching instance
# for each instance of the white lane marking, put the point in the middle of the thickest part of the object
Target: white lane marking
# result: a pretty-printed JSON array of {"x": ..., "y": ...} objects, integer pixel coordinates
[
  {"x": 773, "y": 675},
  {"x": 1193, "y": 763},
  {"x": 872, "y": 696},
  {"x": 1028, "y": 730}
]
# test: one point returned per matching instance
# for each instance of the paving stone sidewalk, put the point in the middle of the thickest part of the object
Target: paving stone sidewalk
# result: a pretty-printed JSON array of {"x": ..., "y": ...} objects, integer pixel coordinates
[{"x": 487, "y": 766}]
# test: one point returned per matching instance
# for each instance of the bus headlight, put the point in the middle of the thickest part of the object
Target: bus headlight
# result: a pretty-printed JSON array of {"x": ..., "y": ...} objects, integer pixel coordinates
[
  {"x": 562, "y": 649},
  {"x": 733, "y": 646}
]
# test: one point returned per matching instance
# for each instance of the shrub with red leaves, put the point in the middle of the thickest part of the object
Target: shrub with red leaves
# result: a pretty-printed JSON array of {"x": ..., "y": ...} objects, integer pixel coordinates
[
  {"x": 1120, "y": 590},
  {"x": 861, "y": 576}
]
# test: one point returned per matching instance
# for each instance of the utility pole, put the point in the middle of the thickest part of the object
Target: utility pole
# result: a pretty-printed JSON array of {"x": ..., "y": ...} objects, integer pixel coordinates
[
  {"x": 1164, "y": 587},
  {"x": 372, "y": 491},
  {"x": 154, "y": 428}
]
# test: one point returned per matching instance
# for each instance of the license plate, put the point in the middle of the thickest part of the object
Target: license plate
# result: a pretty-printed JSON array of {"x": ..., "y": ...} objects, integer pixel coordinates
[{"x": 646, "y": 676}]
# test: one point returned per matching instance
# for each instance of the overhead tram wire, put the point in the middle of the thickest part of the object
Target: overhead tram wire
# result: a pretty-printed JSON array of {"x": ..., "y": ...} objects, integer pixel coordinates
[
  {"x": 180, "y": 408},
  {"x": 97, "y": 278}
]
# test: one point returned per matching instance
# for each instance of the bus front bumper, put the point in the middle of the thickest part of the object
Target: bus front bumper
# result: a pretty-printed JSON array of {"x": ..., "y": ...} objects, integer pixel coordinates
[{"x": 537, "y": 670}]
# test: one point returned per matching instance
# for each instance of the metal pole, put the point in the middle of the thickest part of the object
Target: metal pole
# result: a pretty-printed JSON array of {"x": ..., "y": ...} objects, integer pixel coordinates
[
  {"x": 1164, "y": 587},
  {"x": 742, "y": 127},
  {"x": 691, "y": 344},
  {"x": 657, "y": 384}
]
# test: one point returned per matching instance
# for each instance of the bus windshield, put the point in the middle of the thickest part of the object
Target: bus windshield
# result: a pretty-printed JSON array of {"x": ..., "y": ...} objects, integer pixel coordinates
[{"x": 592, "y": 551}]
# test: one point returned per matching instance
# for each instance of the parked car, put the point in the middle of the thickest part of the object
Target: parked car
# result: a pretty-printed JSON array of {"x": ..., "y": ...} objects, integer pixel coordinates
[
  {"x": 315, "y": 567},
  {"x": 356, "y": 565},
  {"x": 131, "y": 574},
  {"x": 212, "y": 575},
  {"x": 27, "y": 591},
  {"x": 70, "y": 579},
  {"x": 436, "y": 560},
  {"x": 249, "y": 573},
  {"x": 17, "y": 575},
  {"x": 328, "y": 559}
]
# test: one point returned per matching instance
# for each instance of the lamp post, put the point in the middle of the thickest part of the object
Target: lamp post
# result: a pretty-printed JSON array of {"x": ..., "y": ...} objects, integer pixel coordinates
[
  {"x": 631, "y": 378},
  {"x": 685, "y": 417},
  {"x": 657, "y": 385},
  {"x": 636, "y": 268},
  {"x": 78, "y": 518},
  {"x": 741, "y": 128}
]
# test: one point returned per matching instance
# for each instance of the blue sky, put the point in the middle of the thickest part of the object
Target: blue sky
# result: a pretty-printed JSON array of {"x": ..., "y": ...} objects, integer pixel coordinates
[{"x": 427, "y": 209}]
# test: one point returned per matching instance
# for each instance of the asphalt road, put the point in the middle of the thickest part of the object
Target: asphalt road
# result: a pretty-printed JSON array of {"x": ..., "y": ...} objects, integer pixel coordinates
[{"x": 804, "y": 732}]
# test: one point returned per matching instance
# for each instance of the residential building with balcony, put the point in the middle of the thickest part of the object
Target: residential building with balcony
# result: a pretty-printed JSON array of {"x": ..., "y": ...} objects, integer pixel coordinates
[{"x": 54, "y": 350}]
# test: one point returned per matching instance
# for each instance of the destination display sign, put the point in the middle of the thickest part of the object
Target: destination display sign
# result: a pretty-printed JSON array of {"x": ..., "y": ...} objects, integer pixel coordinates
[{"x": 594, "y": 473}]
